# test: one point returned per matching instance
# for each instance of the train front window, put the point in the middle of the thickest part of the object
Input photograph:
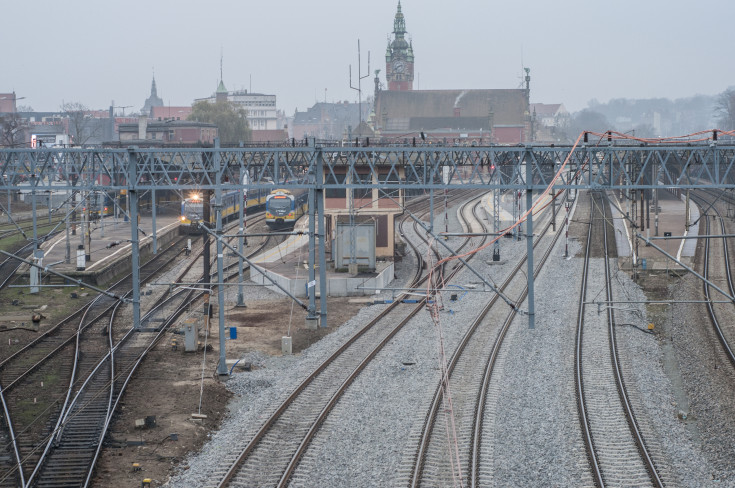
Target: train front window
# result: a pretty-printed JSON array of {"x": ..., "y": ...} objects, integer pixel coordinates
[
  {"x": 193, "y": 209},
  {"x": 280, "y": 203}
]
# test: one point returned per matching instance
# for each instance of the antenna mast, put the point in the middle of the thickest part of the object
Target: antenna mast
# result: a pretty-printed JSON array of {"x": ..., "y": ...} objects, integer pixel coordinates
[{"x": 359, "y": 78}]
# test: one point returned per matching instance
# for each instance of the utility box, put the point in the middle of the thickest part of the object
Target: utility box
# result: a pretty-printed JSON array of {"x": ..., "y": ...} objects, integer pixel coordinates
[
  {"x": 191, "y": 335},
  {"x": 364, "y": 245},
  {"x": 81, "y": 258}
]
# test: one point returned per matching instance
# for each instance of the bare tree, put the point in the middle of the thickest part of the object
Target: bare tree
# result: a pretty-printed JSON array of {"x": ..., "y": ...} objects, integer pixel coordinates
[
  {"x": 82, "y": 125},
  {"x": 13, "y": 130},
  {"x": 725, "y": 109}
]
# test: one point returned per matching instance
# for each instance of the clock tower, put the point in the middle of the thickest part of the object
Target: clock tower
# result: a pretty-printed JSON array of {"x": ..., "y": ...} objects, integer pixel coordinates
[{"x": 399, "y": 57}]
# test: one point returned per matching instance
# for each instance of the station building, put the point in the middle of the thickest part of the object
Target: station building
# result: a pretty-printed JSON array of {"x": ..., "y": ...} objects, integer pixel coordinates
[{"x": 456, "y": 116}]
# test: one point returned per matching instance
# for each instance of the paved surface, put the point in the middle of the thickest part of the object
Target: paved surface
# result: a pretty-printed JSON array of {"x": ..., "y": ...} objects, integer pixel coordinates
[
  {"x": 670, "y": 220},
  {"x": 110, "y": 242}
]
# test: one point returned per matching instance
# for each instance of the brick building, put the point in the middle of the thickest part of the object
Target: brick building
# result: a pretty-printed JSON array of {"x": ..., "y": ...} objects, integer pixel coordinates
[{"x": 474, "y": 116}]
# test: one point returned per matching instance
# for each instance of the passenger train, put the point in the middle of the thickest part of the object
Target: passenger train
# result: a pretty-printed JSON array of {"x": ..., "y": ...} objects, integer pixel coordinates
[
  {"x": 99, "y": 204},
  {"x": 192, "y": 208},
  {"x": 284, "y": 207}
]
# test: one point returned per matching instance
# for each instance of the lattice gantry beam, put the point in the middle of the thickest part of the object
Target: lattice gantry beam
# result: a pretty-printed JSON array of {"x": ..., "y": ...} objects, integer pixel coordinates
[{"x": 586, "y": 167}]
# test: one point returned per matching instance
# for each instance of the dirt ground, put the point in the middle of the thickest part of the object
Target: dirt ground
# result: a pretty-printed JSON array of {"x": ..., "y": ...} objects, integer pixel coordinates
[{"x": 170, "y": 386}]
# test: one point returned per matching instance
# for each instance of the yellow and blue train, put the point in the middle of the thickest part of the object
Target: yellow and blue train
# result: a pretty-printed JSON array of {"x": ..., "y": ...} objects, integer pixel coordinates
[
  {"x": 283, "y": 207},
  {"x": 192, "y": 208}
]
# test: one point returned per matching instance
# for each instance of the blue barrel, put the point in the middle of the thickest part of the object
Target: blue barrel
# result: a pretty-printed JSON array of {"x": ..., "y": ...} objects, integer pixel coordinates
[{"x": 233, "y": 332}]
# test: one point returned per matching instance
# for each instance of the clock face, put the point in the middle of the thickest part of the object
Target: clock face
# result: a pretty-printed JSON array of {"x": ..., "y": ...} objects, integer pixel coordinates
[{"x": 399, "y": 66}]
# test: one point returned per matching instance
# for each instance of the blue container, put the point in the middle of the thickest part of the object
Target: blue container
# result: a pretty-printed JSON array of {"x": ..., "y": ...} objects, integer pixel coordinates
[
  {"x": 643, "y": 263},
  {"x": 233, "y": 332}
]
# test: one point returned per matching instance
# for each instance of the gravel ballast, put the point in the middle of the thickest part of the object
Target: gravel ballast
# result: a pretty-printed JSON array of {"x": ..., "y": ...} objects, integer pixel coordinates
[{"x": 537, "y": 440}]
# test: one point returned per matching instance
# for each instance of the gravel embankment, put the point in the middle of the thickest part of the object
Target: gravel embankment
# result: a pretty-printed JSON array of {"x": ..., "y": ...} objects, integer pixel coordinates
[{"x": 537, "y": 442}]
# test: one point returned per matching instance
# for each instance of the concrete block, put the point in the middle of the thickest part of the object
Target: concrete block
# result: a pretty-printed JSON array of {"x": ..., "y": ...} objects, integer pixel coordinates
[
  {"x": 312, "y": 323},
  {"x": 286, "y": 347}
]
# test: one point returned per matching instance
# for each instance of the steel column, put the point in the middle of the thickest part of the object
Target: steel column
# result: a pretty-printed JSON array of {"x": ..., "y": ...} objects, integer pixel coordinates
[
  {"x": 242, "y": 195},
  {"x": 310, "y": 287},
  {"x": 134, "y": 242},
  {"x": 529, "y": 241},
  {"x": 153, "y": 218},
  {"x": 319, "y": 196},
  {"x": 222, "y": 366}
]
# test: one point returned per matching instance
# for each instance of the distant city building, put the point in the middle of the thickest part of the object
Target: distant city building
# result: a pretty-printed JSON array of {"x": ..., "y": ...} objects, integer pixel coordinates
[
  {"x": 170, "y": 113},
  {"x": 261, "y": 108},
  {"x": 329, "y": 121},
  {"x": 8, "y": 103},
  {"x": 169, "y": 132},
  {"x": 479, "y": 116},
  {"x": 273, "y": 136},
  {"x": 152, "y": 101},
  {"x": 453, "y": 116},
  {"x": 550, "y": 122}
]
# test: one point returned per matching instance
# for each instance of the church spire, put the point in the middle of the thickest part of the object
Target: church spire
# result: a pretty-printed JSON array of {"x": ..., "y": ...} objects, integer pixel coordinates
[
  {"x": 399, "y": 24},
  {"x": 399, "y": 56},
  {"x": 154, "y": 100}
]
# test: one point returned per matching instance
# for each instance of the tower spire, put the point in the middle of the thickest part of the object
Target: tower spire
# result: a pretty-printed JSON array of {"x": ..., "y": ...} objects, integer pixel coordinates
[{"x": 399, "y": 55}]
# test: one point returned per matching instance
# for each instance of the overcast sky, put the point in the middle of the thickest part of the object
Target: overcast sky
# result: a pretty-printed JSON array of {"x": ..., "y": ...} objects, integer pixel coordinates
[{"x": 93, "y": 51}]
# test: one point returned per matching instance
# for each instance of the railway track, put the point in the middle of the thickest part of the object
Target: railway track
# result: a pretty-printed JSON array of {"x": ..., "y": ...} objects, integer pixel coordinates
[
  {"x": 616, "y": 450},
  {"x": 56, "y": 351},
  {"x": 469, "y": 371},
  {"x": 51, "y": 359},
  {"x": 712, "y": 271},
  {"x": 268, "y": 456},
  {"x": 78, "y": 444}
]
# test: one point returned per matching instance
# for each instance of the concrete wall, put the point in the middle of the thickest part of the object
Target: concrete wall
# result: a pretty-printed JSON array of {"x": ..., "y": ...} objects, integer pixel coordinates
[{"x": 338, "y": 284}]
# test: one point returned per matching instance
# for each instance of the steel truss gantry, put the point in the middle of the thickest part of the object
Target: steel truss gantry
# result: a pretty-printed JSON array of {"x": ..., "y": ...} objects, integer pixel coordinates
[{"x": 533, "y": 168}]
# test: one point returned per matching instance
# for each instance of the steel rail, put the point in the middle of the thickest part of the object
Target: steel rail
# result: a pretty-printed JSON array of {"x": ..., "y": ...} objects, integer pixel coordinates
[
  {"x": 615, "y": 364},
  {"x": 260, "y": 434},
  {"x": 338, "y": 394},
  {"x": 578, "y": 376},
  {"x": 710, "y": 301},
  {"x": 68, "y": 405}
]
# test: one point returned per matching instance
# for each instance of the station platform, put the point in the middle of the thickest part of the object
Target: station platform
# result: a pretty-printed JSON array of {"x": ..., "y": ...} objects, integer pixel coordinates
[
  {"x": 110, "y": 249},
  {"x": 288, "y": 265},
  {"x": 671, "y": 221}
]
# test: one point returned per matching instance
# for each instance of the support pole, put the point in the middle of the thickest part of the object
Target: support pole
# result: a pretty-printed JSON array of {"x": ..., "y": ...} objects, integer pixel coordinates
[
  {"x": 35, "y": 273},
  {"x": 103, "y": 199},
  {"x": 529, "y": 243},
  {"x": 497, "y": 206},
  {"x": 153, "y": 219},
  {"x": 319, "y": 196},
  {"x": 310, "y": 287},
  {"x": 134, "y": 243},
  {"x": 241, "y": 243},
  {"x": 222, "y": 366},
  {"x": 67, "y": 255}
]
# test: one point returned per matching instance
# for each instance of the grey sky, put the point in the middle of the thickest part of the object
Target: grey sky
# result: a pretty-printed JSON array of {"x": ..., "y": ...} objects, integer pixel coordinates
[{"x": 94, "y": 51}]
